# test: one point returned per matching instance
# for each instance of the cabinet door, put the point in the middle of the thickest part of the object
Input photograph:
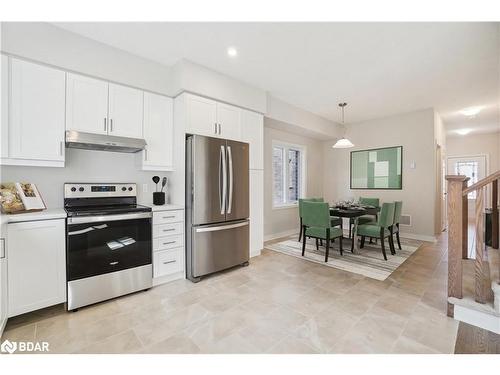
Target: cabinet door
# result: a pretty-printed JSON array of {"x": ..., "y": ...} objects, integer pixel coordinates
[
  {"x": 4, "y": 136},
  {"x": 125, "y": 111},
  {"x": 256, "y": 212},
  {"x": 3, "y": 286},
  {"x": 229, "y": 119},
  {"x": 158, "y": 132},
  {"x": 36, "y": 267},
  {"x": 252, "y": 131},
  {"x": 201, "y": 116},
  {"x": 37, "y": 108},
  {"x": 87, "y": 104}
]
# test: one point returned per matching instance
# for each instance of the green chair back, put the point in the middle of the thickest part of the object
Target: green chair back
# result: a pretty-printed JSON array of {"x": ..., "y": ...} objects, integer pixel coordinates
[
  {"x": 386, "y": 215},
  {"x": 302, "y": 200},
  {"x": 397, "y": 211},
  {"x": 375, "y": 202},
  {"x": 316, "y": 214}
]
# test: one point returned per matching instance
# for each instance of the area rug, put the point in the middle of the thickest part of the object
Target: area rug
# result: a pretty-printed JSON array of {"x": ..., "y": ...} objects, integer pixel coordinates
[{"x": 368, "y": 262}]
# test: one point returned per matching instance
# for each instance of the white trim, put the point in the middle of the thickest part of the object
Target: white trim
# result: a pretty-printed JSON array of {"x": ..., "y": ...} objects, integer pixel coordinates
[
  {"x": 303, "y": 170},
  {"x": 421, "y": 237},
  {"x": 285, "y": 206},
  {"x": 168, "y": 278},
  {"x": 255, "y": 253},
  {"x": 286, "y": 233},
  {"x": 477, "y": 318}
]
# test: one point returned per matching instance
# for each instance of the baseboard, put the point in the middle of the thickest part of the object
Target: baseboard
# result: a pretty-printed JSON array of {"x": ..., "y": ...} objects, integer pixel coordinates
[
  {"x": 476, "y": 318},
  {"x": 420, "y": 237},
  {"x": 168, "y": 278},
  {"x": 270, "y": 237}
]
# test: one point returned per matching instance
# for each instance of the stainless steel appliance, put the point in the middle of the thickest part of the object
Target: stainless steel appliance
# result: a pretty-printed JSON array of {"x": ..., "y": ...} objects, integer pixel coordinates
[
  {"x": 108, "y": 242},
  {"x": 217, "y": 205},
  {"x": 103, "y": 142}
]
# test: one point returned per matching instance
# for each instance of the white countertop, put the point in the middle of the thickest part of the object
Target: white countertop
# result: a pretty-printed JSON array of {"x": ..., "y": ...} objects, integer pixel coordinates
[
  {"x": 165, "y": 207},
  {"x": 51, "y": 213}
]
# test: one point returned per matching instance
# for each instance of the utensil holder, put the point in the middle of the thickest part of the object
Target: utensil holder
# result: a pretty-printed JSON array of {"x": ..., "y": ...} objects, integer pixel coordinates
[{"x": 159, "y": 198}]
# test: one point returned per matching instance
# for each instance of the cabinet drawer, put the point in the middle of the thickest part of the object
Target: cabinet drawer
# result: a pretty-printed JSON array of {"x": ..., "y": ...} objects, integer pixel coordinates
[
  {"x": 168, "y": 242},
  {"x": 165, "y": 217},
  {"x": 162, "y": 230},
  {"x": 167, "y": 262}
]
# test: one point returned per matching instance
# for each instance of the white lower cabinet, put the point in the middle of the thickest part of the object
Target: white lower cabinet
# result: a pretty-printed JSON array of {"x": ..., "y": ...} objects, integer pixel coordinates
[
  {"x": 36, "y": 267},
  {"x": 168, "y": 245},
  {"x": 256, "y": 212}
]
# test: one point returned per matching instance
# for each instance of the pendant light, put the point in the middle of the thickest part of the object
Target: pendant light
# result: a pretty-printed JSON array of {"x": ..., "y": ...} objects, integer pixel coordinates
[{"x": 343, "y": 142}]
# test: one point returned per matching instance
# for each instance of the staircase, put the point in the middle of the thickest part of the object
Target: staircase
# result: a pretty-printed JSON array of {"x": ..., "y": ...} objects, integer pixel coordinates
[{"x": 473, "y": 284}]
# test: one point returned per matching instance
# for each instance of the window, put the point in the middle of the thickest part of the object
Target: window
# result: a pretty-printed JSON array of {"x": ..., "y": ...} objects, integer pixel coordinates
[
  {"x": 288, "y": 174},
  {"x": 469, "y": 169}
]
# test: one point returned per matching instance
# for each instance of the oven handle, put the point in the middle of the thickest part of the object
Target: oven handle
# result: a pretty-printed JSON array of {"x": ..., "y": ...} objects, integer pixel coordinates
[
  {"x": 86, "y": 230},
  {"x": 106, "y": 218}
]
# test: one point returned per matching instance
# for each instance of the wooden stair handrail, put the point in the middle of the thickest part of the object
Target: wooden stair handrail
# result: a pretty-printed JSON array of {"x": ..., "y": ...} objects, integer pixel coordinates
[{"x": 485, "y": 181}]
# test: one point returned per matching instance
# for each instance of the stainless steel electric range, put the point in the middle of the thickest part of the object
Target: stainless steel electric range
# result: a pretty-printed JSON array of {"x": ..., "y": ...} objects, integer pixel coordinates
[{"x": 108, "y": 242}]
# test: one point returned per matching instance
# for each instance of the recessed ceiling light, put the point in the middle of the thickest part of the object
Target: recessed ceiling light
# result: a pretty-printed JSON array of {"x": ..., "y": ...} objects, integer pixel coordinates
[
  {"x": 463, "y": 131},
  {"x": 232, "y": 52},
  {"x": 472, "y": 111}
]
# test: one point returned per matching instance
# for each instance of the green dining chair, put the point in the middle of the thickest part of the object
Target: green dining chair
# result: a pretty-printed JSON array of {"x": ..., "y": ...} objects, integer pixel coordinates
[
  {"x": 397, "y": 218},
  {"x": 365, "y": 219},
  {"x": 380, "y": 229},
  {"x": 317, "y": 224},
  {"x": 335, "y": 221}
]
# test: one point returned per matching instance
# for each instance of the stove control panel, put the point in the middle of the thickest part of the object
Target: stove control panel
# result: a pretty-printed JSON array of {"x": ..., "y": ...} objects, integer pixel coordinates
[{"x": 90, "y": 190}]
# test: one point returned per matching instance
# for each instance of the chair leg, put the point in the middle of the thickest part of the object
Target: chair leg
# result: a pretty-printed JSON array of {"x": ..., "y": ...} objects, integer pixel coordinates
[
  {"x": 363, "y": 242},
  {"x": 397, "y": 237},
  {"x": 327, "y": 248},
  {"x": 304, "y": 242},
  {"x": 300, "y": 233},
  {"x": 340, "y": 245},
  {"x": 317, "y": 244},
  {"x": 391, "y": 245},
  {"x": 350, "y": 227},
  {"x": 320, "y": 242},
  {"x": 382, "y": 243}
]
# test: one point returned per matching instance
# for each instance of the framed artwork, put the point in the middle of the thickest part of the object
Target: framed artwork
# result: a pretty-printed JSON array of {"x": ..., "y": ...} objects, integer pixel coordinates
[{"x": 378, "y": 168}]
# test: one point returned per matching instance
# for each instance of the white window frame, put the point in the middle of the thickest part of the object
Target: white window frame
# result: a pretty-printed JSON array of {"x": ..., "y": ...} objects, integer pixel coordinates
[{"x": 303, "y": 172}]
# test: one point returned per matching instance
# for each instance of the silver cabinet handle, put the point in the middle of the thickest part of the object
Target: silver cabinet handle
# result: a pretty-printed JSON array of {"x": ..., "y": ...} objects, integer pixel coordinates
[
  {"x": 168, "y": 230},
  {"x": 105, "y": 125},
  {"x": 221, "y": 227},
  {"x": 168, "y": 217},
  {"x": 170, "y": 261},
  {"x": 2, "y": 248},
  {"x": 145, "y": 154},
  {"x": 111, "y": 125},
  {"x": 220, "y": 131},
  {"x": 169, "y": 242},
  {"x": 113, "y": 263},
  {"x": 215, "y": 128},
  {"x": 61, "y": 146},
  {"x": 230, "y": 167}
]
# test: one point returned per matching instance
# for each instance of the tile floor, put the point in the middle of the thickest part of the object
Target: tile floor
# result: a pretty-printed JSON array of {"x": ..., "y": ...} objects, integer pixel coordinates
[{"x": 278, "y": 304}]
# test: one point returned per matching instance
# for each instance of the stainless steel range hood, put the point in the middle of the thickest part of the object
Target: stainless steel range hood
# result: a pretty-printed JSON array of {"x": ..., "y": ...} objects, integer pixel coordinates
[{"x": 101, "y": 142}]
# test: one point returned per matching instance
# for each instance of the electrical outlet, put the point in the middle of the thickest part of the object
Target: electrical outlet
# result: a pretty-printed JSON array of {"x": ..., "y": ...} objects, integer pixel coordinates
[{"x": 144, "y": 188}]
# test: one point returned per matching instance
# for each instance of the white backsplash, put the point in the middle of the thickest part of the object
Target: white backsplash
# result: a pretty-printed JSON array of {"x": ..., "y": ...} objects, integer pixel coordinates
[{"x": 85, "y": 166}]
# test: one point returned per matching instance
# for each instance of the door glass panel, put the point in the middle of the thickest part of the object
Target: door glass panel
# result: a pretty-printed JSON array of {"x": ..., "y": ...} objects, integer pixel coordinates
[{"x": 469, "y": 169}]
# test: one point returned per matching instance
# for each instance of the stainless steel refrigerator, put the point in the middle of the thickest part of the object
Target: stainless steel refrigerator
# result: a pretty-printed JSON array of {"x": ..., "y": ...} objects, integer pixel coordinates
[{"x": 217, "y": 205}]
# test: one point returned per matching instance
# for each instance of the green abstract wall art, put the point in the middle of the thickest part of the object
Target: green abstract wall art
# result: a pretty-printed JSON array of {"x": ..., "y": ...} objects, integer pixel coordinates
[{"x": 378, "y": 168}]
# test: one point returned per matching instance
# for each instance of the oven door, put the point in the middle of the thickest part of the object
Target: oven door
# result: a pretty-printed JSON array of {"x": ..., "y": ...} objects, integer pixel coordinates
[{"x": 99, "y": 245}]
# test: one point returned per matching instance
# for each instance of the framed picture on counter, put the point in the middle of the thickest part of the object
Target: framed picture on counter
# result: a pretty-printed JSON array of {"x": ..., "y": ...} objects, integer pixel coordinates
[{"x": 18, "y": 197}]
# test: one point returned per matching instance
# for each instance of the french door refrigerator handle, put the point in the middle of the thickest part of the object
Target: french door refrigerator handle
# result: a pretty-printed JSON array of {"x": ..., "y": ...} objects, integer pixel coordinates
[
  {"x": 223, "y": 169},
  {"x": 221, "y": 227},
  {"x": 231, "y": 182}
]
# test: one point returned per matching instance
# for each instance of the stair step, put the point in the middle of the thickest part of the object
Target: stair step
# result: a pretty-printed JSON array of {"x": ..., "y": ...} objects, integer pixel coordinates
[{"x": 477, "y": 314}]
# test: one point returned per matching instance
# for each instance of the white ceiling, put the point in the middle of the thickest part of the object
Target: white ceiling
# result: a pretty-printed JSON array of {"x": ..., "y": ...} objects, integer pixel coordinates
[{"x": 380, "y": 69}]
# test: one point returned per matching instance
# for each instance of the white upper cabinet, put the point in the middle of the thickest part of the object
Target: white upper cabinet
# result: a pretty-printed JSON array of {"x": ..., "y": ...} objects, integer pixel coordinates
[
  {"x": 4, "y": 136},
  {"x": 158, "y": 132},
  {"x": 229, "y": 121},
  {"x": 125, "y": 111},
  {"x": 201, "y": 116},
  {"x": 208, "y": 117},
  {"x": 37, "y": 114},
  {"x": 252, "y": 131},
  {"x": 86, "y": 104}
]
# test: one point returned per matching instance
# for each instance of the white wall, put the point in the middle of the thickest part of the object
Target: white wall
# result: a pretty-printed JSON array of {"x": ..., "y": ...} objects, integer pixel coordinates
[
  {"x": 476, "y": 144},
  {"x": 286, "y": 220},
  {"x": 85, "y": 166},
  {"x": 415, "y": 132},
  {"x": 51, "y": 45}
]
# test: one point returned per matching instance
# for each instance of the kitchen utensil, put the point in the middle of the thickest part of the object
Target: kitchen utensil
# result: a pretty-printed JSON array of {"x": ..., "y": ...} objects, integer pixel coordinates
[
  {"x": 163, "y": 183},
  {"x": 156, "y": 179}
]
